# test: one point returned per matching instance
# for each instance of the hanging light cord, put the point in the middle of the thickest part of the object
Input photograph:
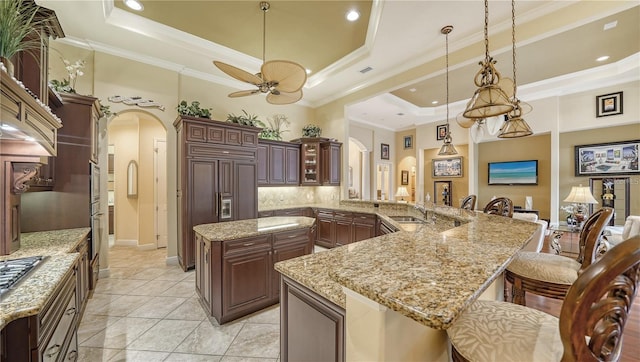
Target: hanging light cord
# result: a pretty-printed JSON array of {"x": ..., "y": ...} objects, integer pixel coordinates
[
  {"x": 486, "y": 31},
  {"x": 513, "y": 41},
  {"x": 264, "y": 30},
  {"x": 447, "y": 76}
]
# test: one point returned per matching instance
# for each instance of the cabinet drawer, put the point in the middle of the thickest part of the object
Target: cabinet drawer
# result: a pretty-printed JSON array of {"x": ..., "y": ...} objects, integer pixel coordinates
[
  {"x": 364, "y": 218},
  {"x": 249, "y": 138},
  {"x": 345, "y": 216},
  {"x": 292, "y": 236},
  {"x": 57, "y": 307},
  {"x": 247, "y": 245},
  {"x": 325, "y": 213},
  {"x": 56, "y": 344},
  {"x": 203, "y": 150}
]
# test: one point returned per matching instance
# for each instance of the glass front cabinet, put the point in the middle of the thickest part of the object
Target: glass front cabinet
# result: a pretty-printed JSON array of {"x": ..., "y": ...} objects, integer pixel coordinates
[
  {"x": 320, "y": 160},
  {"x": 311, "y": 164}
]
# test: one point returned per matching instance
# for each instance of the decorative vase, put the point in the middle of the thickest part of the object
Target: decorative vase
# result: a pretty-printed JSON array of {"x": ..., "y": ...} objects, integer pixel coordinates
[{"x": 7, "y": 64}]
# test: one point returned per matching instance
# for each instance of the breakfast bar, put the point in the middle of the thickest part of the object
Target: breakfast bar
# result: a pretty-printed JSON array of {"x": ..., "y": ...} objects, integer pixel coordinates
[{"x": 399, "y": 292}]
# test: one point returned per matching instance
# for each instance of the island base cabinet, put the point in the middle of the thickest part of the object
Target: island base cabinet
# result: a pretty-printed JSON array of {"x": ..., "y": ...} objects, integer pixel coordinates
[
  {"x": 236, "y": 277},
  {"x": 312, "y": 328}
]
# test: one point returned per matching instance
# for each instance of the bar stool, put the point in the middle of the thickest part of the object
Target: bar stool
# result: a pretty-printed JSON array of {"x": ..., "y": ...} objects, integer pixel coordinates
[
  {"x": 551, "y": 275},
  {"x": 469, "y": 202},
  {"x": 500, "y": 206},
  {"x": 590, "y": 328}
]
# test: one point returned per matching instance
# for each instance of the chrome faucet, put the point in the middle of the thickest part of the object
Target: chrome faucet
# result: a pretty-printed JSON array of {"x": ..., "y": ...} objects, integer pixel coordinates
[{"x": 424, "y": 209}]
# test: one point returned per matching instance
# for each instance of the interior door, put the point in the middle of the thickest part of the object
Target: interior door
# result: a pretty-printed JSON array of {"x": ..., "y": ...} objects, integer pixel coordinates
[{"x": 161, "y": 192}]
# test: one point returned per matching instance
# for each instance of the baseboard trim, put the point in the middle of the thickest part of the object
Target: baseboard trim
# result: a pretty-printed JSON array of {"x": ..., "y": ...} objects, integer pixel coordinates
[
  {"x": 124, "y": 242},
  {"x": 172, "y": 260},
  {"x": 147, "y": 247}
]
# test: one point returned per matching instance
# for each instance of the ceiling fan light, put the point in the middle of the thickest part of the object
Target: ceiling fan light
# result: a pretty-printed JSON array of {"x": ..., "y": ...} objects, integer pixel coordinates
[
  {"x": 515, "y": 127},
  {"x": 488, "y": 101}
]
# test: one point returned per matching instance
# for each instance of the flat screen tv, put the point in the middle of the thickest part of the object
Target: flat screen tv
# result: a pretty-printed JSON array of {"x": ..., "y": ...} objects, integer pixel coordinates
[{"x": 513, "y": 173}]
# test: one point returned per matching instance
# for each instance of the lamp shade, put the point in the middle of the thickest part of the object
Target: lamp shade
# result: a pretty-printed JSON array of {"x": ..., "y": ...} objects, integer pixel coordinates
[
  {"x": 402, "y": 192},
  {"x": 580, "y": 195}
]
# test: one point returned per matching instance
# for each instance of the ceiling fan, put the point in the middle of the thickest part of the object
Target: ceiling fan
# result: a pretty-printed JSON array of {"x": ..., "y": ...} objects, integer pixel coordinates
[{"x": 282, "y": 80}]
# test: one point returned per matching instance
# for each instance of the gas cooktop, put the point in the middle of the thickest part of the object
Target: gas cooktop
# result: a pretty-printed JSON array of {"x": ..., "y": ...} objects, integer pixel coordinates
[{"x": 12, "y": 271}]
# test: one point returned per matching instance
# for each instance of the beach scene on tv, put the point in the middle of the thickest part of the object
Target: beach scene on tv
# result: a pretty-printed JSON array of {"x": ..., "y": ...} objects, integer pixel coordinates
[{"x": 513, "y": 173}]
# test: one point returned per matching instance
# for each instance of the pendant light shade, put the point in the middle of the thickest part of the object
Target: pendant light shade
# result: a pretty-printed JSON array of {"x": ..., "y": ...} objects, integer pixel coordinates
[
  {"x": 494, "y": 124},
  {"x": 515, "y": 126},
  {"x": 477, "y": 132},
  {"x": 490, "y": 99},
  {"x": 447, "y": 148}
]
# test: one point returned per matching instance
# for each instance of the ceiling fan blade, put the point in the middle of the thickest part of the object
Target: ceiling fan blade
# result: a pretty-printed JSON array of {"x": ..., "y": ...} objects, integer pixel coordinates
[
  {"x": 289, "y": 75},
  {"x": 244, "y": 93},
  {"x": 284, "y": 97},
  {"x": 238, "y": 73}
]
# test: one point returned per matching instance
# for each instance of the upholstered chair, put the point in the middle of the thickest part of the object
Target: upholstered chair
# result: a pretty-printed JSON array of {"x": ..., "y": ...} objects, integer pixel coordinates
[
  {"x": 551, "y": 275},
  {"x": 590, "y": 327},
  {"x": 469, "y": 202},
  {"x": 500, "y": 206},
  {"x": 630, "y": 229}
]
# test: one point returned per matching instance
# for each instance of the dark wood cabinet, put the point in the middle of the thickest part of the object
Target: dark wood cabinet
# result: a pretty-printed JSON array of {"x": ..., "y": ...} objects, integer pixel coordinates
[
  {"x": 217, "y": 178},
  {"x": 49, "y": 335},
  {"x": 236, "y": 277},
  {"x": 312, "y": 328},
  {"x": 336, "y": 228},
  {"x": 320, "y": 161},
  {"x": 83, "y": 275},
  {"x": 278, "y": 163},
  {"x": 325, "y": 228},
  {"x": 112, "y": 219}
]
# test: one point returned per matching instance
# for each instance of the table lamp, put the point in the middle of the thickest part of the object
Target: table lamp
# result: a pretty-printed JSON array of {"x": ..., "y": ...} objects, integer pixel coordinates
[
  {"x": 580, "y": 195},
  {"x": 402, "y": 193}
]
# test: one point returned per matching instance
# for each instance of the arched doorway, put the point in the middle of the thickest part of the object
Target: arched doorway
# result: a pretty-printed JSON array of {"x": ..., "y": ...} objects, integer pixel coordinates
[{"x": 139, "y": 218}]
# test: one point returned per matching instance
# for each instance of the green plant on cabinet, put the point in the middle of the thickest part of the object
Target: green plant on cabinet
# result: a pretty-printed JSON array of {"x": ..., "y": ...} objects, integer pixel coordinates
[
  {"x": 193, "y": 110},
  {"x": 273, "y": 131},
  {"x": 245, "y": 119}
]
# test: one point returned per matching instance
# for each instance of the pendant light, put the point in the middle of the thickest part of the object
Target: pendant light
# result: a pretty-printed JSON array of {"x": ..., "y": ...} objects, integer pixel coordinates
[
  {"x": 515, "y": 126},
  {"x": 447, "y": 148},
  {"x": 490, "y": 99}
]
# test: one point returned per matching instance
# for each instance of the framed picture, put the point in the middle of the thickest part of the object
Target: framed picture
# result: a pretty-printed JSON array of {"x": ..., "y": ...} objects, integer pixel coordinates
[
  {"x": 384, "y": 151},
  {"x": 447, "y": 167},
  {"x": 408, "y": 142},
  {"x": 405, "y": 178},
  {"x": 609, "y": 104},
  {"x": 441, "y": 131},
  {"x": 614, "y": 158}
]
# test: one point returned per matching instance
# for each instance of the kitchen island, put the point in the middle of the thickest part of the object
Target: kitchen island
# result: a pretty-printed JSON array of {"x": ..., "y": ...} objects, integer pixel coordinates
[
  {"x": 393, "y": 296},
  {"x": 234, "y": 262}
]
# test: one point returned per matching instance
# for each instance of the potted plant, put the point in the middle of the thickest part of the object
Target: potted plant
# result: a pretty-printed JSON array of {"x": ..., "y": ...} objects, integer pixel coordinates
[
  {"x": 193, "y": 110},
  {"x": 273, "y": 131},
  {"x": 245, "y": 119},
  {"x": 20, "y": 26},
  {"x": 311, "y": 130}
]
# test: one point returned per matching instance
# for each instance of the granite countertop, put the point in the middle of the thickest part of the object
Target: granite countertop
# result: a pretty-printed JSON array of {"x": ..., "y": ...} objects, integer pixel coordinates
[
  {"x": 232, "y": 230},
  {"x": 429, "y": 275},
  {"x": 30, "y": 294}
]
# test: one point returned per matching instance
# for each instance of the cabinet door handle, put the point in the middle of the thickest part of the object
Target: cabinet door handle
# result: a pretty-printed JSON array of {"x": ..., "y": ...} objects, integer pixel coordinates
[
  {"x": 225, "y": 152},
  {"x": 248, "y": 244},
  {"x": 292, "y": 236},
  {"x": 70, "y": 311},
  {"x": 53, "y": 350}
]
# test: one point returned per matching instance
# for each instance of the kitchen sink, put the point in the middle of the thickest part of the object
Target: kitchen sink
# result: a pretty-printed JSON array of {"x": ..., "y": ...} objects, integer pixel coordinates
[{"x": 407, "y": 219}]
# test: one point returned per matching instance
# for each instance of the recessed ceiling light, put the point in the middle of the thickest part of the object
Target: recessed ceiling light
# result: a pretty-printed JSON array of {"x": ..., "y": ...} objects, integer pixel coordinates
[
  {"x": 29, "y": 139},
  {"x": 412, "y": 89},
  {"x": 434, "y": 102},
  {"x": 6, "y": 127},
  {"x": 308, "y": 71},
  {"x": 353, "y": 15},
  {"x": 134, "y": 5},
  {"x": 602, "y": 58}
]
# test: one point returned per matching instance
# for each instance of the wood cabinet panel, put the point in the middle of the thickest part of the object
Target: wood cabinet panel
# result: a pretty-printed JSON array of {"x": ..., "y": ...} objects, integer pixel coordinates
[
  {"x": 320, "y": 161},
  {"x": 302, "y": 308},
  {"x": 236, "y": 277},
  {"x": 217, "y": 177},
  {"x": 281, "y": 163},
  {"x": 325, "y": 229},
  {"x": 336, "y": 228}
]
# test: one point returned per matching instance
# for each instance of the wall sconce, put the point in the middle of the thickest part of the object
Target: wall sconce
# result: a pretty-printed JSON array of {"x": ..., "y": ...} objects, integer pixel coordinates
[{"x": 132, "y": 180}]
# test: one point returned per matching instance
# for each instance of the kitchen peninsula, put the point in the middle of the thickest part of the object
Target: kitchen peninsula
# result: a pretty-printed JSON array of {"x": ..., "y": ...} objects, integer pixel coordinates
[{"x": 393, "y": 296}]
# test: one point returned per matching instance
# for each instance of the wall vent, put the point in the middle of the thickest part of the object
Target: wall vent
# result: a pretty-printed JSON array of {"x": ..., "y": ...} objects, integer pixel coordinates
[{"x": 367, "y": 69}]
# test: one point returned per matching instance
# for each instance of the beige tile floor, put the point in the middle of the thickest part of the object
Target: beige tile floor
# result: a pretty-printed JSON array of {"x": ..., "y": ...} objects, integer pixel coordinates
[{"x": 148, "y": 311}]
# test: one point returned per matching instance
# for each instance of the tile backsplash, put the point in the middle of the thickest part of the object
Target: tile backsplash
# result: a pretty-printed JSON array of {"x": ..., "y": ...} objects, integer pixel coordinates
[{"x": 269, "y": 197}]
